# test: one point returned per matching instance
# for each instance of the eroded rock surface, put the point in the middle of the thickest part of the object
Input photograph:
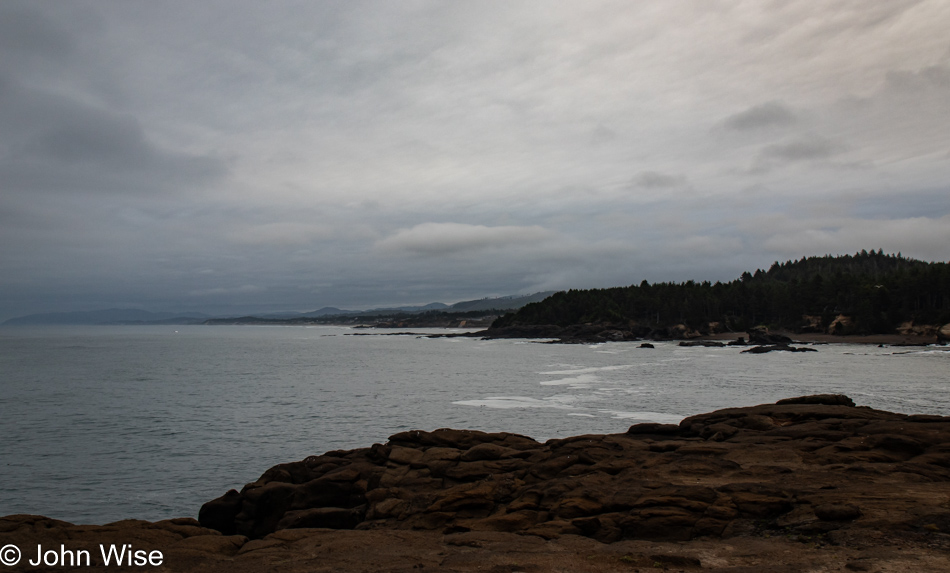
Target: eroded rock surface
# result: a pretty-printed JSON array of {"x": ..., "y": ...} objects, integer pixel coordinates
[
  {"x": 809, "y": 465},
  {"x": 810, "y": 483}
]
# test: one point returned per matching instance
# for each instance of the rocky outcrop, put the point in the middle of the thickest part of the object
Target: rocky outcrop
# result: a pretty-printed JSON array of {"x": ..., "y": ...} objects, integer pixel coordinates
[
  {"x": 186, "y": 547},
  {"x": 763, "y": 337},
  {"x": 923, "y": 330},
  {"x": 841, "y": 324},
  {"x": 777, "y": 348},
  {"x": 810, "y": 465},
  {"x": 808, "y": 483},
  {"x": 606, "y": 332},
  {"x": 943, "y": 334}
]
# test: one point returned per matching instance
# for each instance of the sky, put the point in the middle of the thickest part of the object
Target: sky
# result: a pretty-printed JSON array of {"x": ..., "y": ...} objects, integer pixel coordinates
[{"x": 240, "y": 156}]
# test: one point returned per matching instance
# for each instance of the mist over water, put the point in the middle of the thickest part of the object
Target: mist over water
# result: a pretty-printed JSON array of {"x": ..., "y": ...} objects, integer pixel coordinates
[{"x": 106, "y": 423}]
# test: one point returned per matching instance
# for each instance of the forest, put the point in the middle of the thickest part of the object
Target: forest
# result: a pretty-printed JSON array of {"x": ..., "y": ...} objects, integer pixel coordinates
[{"x": 874, "y": 291}]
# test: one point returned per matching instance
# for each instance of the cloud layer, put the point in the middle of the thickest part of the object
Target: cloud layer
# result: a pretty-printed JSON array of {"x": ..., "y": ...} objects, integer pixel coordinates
[{"x": 241, "y": 157}]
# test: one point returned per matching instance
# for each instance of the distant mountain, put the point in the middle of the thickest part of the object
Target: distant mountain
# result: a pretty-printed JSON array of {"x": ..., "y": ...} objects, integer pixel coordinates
[
  {"x": 327, "y": 311},
  {"x": 499, "y": 303},
  {"x": 409, "y": 309},
  {"x": 110, "y": 316},
  {"x": 138, "y": 316}
]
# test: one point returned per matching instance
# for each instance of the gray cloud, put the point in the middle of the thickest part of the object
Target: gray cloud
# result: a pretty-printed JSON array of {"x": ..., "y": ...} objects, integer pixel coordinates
[
  {"x": 25, "y": 31},
  {"x": 770, "y": 114},
  {"x": 802, "y": 149},
  {"x": 51, "y": 143},
  {"x": 656, "y": 180},
  {"x": 295, "y": 155},
  {"x": 453, "y": 238}
]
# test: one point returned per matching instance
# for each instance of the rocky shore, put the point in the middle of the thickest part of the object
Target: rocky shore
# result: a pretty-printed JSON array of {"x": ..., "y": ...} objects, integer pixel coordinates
[
  {"x": 812, "y": 483},
  {"x": 599, "y": 333}
]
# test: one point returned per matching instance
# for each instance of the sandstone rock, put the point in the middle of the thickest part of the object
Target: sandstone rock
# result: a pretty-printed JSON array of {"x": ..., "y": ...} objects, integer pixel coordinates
[
  {"x": 726, "y": 473},
  {"x": 840, "y": 324},
  {"x": 826, "y": 399},
  {"x": 486, "y": 452},
  {"x": 911, "y": 329},
  {"x": 651, "y": 428},
  {"x": 219, "y": 513},
  {"x": 401, "y": 455},
  {"x": 216, "y": 544},
  {"x": 440, "y": 454},
  {"x": 837, "y": 512},
  {"x": 329, "y": 517}
]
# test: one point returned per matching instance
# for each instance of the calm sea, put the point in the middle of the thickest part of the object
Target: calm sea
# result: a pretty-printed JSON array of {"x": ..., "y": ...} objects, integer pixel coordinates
[{"x": 104, "y": 423}]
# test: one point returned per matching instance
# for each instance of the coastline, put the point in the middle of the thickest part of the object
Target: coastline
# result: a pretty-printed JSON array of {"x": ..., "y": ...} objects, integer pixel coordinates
[
  {"x": 820, "y": 338},
  {"x": 812, "y": 482},
  {"x": 593, "y": 333}
]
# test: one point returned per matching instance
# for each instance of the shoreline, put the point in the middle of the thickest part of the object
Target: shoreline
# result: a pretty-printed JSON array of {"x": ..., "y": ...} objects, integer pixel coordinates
[
  {"x": 812, "y": 483},
  {"x": 819, "y": 338}
]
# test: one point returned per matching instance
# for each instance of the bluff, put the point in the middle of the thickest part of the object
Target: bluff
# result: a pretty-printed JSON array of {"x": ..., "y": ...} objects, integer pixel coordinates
[{"x": 865, "y": 293}]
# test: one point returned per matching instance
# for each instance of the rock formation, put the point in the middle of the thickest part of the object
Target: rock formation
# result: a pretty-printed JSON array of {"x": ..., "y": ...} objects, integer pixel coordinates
[
  {"x": 812, "y": 465},
  {"x": 811, "y": 483}
]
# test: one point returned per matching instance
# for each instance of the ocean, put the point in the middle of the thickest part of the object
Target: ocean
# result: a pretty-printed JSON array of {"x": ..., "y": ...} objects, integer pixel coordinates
[{"x": 102, "y": 423}]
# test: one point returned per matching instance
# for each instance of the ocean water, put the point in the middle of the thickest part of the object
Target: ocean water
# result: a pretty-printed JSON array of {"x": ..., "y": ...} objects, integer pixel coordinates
[{"x": 105, "y": 423}]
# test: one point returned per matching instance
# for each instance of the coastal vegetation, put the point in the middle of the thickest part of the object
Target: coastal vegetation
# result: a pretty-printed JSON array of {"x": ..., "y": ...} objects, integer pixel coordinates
[{"x": 865, "y": 293}]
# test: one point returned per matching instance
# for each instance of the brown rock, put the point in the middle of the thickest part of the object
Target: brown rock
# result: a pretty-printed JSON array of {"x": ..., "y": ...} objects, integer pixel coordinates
[
  {"x": 401, "y": 455},
  {"x": 722, "y": 474},
  {"x": 219, "y": 513},
  {"x": 486, "y": 452},
  {"x": 837, "y": 512},
  {"x": 329, "y": 517},
  {"x": 826, "y": 399}
]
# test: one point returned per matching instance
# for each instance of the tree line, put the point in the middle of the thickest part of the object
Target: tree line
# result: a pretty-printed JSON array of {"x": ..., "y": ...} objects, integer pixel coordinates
[{"x": 876, "y": 291}]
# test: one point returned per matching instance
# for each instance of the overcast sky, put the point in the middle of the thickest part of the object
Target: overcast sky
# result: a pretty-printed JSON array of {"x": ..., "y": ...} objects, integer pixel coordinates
[{"x": 246, "y": 156}]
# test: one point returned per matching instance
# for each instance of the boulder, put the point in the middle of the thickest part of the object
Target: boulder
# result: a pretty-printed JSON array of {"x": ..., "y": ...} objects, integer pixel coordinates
[
  {"x": 219, "y": 513},
  {"x": 776, "y": 348},
  {"x": 825, "y": 399},
  {"x": 762, "y": 336}
]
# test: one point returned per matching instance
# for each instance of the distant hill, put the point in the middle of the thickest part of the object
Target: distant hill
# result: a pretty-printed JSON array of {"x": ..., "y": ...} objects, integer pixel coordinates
[
  {"x": 473, "y": 312},
  {"x": 500, "y": 303},
  {"x": 328, "y": 311},
  {"x": 109, "y": 316},
  {"x": 864, "y": 293},
  {"x": 138, "y": 316}
]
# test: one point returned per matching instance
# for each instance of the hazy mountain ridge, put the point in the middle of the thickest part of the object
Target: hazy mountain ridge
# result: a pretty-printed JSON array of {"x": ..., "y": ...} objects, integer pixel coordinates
[
  {"x": 109, "y": 316},
  {"x": 139, "y": 316}
]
